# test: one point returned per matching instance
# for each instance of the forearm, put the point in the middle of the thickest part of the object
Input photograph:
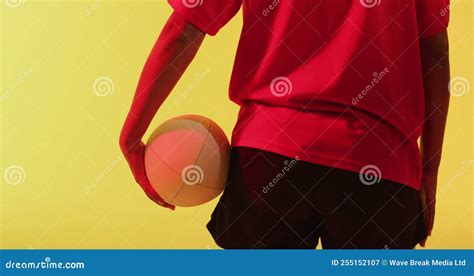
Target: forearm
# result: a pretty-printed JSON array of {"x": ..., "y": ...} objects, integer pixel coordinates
[
  {"x": 436, "y": 70},
  {"x": 172, "y": 53}
]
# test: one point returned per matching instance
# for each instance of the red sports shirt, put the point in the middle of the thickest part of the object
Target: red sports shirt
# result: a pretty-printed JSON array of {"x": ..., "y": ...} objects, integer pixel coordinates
[{"x": 334, "y": 82}]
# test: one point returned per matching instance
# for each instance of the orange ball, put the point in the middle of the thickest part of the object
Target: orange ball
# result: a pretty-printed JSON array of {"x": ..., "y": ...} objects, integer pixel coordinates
[{"x": 187, "y": 160}]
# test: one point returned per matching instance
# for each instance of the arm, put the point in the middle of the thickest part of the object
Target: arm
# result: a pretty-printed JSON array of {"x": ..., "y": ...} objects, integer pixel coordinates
[
  {"x": 436, "y": 71},
  {"x": 174, "y": 50}
]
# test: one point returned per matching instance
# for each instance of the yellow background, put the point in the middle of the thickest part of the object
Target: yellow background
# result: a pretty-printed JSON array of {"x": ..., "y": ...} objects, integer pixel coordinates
[{"x": 77, "y": 191}]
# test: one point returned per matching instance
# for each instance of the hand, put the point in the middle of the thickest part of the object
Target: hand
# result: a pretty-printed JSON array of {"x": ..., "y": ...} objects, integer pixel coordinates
[
  {"x": 428, "y": 197},
  {"x": 135, "y": 157}
]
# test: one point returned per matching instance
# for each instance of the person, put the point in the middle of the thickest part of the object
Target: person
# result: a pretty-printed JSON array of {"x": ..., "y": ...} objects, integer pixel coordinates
[{"x": 333, "y": 98}]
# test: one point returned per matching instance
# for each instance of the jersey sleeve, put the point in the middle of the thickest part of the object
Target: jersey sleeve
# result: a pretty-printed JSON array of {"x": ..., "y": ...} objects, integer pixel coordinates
[
  {"x": 432, "y": 16},
  {"x": 207, "y": 15}
]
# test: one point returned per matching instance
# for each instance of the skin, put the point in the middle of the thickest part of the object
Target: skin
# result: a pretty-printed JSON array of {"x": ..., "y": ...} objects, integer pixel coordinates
[
  {"x": 177, "y": 46},
  {"x": 174, "y": 50},
  {"x": 436, "y": 72}
]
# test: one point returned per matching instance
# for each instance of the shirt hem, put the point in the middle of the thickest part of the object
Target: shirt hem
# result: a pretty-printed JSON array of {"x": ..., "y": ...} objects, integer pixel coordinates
[{"x": 348, "y": 165}]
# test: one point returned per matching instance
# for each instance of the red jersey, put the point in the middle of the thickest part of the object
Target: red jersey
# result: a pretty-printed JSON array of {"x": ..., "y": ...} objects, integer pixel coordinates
[{"x": 334, "y": 82}]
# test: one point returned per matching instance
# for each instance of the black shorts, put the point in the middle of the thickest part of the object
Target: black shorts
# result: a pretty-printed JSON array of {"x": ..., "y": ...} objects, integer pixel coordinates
[{"x": 272, "y": 201}]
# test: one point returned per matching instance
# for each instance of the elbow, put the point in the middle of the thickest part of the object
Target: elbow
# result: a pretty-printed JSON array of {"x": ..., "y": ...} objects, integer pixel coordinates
[
  {"x": 435, "y": 49},
  {"x": 440, "y": 51},
  {"x": 125, "y": 142}
]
